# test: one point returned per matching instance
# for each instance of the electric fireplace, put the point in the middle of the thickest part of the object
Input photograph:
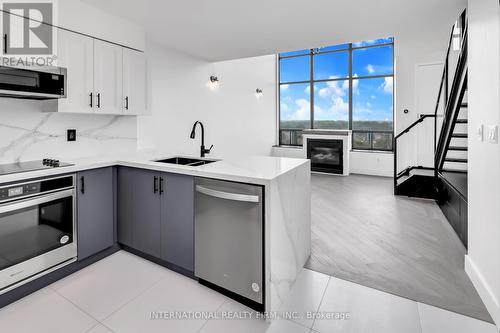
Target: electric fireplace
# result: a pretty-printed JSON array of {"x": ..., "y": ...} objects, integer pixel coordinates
[{"x": 326, "y": 155}]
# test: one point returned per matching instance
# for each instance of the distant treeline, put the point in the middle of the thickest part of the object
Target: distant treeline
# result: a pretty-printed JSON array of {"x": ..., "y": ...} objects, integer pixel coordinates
[{"x": 338, "y": 124}]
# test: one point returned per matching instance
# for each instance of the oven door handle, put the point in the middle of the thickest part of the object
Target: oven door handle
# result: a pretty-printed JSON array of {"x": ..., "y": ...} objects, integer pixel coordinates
[{"x": 17, "y": 205}]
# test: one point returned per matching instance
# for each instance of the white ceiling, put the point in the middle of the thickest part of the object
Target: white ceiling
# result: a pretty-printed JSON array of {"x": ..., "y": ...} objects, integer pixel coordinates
[{"x": 229, "y": 29}]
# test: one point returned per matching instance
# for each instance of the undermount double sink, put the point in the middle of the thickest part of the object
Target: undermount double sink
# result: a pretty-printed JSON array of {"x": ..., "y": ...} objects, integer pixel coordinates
[{"x": 187, "y": 161}]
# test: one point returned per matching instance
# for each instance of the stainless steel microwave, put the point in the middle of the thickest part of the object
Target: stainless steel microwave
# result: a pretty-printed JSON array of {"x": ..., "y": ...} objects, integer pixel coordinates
[{"x": 39, "y": 83}]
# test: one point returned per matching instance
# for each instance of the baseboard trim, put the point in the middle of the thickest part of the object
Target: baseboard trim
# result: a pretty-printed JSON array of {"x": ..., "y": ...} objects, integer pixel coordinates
[
  {"x": 367, "y": 172},
  {"x": 483, "y": 289}
]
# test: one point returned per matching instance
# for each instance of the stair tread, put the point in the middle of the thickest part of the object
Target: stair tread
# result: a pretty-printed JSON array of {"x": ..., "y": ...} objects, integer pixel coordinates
[
  {"x": 464, "y": 105},
  {"x": 459, "y": 135},
  {"x": 420, "y": 186},
  {"x": 454, "y": 170},
  {"x": 458, "y": 148},
  {"x": 462, "y": 121},
  {"x": 457, "y": 160}
]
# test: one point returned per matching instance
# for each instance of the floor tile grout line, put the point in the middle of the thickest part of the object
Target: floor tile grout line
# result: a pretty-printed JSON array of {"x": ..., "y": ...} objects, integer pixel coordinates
[
  {"x": 321, "y": 302},
  {"x": 101, "y": 324},
  {"x": 78, "y": 307},
  {"x": 107, "y": 327},
  {"x": 420, "y": 324},
  {"x": 399, "y": 296},
  {"x": 142, "y": 292},
  {"x": 90, "y": 329},
  {"x": 206, "y": 321}
]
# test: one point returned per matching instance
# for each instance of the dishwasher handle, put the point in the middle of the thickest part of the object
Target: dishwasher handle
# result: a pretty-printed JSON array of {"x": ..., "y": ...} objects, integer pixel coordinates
[{"x": 227, "y": 195}]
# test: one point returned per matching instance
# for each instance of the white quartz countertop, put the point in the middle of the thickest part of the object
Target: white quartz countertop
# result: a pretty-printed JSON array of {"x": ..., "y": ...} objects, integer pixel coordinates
[{"x": 249, "y": 169}]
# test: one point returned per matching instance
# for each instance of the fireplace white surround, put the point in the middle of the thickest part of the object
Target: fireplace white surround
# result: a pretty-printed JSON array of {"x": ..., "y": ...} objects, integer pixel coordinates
[{"x": 327, "y": 134}]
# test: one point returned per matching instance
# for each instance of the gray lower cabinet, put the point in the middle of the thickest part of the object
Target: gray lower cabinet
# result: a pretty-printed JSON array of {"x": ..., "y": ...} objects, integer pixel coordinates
[
  {"x": 125, "y": 186},
  {"x": 177, "y": 210},
  {"x": 139, "y": 210},
  {"x": 95, "y": 211},
  {"x": 156, "y": 214}
]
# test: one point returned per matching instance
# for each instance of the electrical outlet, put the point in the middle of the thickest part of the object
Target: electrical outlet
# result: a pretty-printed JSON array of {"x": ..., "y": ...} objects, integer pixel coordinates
[{"x": 71, "y": 135}]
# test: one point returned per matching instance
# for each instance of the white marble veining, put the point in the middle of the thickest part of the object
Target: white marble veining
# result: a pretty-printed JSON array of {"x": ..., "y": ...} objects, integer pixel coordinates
[
  {"x": 27, "y": 133},
  {"x": 288, "y": 233}
]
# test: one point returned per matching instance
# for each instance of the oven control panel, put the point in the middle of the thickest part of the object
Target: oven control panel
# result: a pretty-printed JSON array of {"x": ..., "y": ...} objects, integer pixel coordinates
[{"x": 19, "y": 191}]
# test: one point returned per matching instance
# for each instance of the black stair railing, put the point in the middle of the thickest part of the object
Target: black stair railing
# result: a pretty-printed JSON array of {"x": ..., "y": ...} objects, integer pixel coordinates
[
  {"x": 405, "y": 172},
  {"x": 452, "y": 101},
  {"x": 453, "y": 106}
]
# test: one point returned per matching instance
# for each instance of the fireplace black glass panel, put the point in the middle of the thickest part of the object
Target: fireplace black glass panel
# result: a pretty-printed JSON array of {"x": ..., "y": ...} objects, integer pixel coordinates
[{"x": 326, "y": 155}]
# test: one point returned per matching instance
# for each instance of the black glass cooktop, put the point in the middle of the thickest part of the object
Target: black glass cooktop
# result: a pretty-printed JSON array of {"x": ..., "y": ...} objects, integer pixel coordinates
[{"x": 47, "y": 163}]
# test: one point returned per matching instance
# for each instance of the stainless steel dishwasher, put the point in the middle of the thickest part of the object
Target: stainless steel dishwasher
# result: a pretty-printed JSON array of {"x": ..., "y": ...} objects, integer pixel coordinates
[{"x": 229, "y": 238}]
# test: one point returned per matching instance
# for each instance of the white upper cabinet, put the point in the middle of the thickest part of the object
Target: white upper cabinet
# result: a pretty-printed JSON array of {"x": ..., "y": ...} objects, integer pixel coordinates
[
  {"x": 102, "y": 77},
  {"x": 134, "y": 82},
  {"x": 108, "y": 78},
  {"x": 76, "y": 53}
]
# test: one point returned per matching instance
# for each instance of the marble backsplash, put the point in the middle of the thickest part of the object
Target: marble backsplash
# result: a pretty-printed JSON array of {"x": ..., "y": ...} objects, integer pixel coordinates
[{"x": 27, "y": 133}]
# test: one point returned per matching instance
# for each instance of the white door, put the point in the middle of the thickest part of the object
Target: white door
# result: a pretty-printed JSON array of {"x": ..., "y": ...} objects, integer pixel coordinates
[
  {"x": 134, "y": 83},
  {"x": 427, "y": 80},
  {"x": 108, "y": 77},
  {"x": 76, "y": 53}
]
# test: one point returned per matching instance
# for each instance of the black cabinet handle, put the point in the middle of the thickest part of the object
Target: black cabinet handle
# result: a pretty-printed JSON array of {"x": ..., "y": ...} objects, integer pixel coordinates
[
  {"x": 99, "y": 100},
  {"x": 5, "y": 43},
  {"x": 155, "y": 184},
  {"x": 161, "y": 185},
  {"x": 82, "y": 185},
  {"x": 91, "y": 100},
  {"x": 126, "y": 103}
]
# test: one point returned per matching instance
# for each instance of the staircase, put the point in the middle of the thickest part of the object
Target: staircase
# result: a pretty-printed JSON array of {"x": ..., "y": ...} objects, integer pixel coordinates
[{"x": 446, "y": 182}]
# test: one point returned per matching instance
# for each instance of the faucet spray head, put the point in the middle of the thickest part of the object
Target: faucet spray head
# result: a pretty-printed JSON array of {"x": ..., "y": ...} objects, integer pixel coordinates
[{"x": 193, "y": 131}]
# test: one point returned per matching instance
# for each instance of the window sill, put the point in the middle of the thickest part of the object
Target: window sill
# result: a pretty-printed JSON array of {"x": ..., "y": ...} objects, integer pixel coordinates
[
  {"x": 286, "y": 147},
  {"x": 372, "y": 151},
  {"x": 387, "y": 152}
]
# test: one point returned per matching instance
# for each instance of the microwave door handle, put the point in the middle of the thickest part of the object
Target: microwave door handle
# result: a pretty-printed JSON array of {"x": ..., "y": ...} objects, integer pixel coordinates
[
  {"x": 22, "y": 204},
  {"x": 227, "y": 195}
]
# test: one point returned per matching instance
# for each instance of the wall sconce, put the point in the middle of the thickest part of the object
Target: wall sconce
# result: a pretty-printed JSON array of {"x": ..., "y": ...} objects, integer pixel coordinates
[
  {"x": 213, "y": 82},
  {"x": 258, "y": 93}
]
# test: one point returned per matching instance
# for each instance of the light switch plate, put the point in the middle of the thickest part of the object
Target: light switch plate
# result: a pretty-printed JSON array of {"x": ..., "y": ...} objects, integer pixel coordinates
[
  {"x": 480, "y": 133},
  {"x": 493, "y": 134}
]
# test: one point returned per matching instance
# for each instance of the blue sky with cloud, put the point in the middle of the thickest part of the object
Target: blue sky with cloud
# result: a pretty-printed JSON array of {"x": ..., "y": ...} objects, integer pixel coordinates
[{"x": 372, "y": 97}]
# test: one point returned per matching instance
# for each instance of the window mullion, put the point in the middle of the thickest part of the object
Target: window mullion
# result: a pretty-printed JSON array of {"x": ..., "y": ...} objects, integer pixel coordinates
[
  {"x": 350, "y": 86},
  {"x": 311, "y": 90}
]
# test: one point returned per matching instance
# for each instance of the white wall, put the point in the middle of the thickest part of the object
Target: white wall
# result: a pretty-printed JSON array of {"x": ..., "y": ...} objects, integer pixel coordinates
[
  {"x": 236, "y": 122},
  {"x": 483, "y": 259},
  {"x": 408, "y": 54}
]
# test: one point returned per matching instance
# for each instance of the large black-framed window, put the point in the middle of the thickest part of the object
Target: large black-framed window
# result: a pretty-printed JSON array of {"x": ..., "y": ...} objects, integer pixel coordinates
[{"x": 348, "y": 86}]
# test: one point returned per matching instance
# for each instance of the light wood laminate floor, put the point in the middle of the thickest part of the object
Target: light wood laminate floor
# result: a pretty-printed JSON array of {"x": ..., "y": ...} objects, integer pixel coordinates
[{"x": 362, "y": 233}]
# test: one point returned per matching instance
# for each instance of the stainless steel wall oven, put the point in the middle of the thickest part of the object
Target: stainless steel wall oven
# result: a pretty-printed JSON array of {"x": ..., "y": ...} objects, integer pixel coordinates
[{"x": 37, "y": 229}]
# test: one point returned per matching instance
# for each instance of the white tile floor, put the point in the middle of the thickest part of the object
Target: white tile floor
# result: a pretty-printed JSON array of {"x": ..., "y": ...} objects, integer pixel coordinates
[{"x": 119, "y": 293}]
